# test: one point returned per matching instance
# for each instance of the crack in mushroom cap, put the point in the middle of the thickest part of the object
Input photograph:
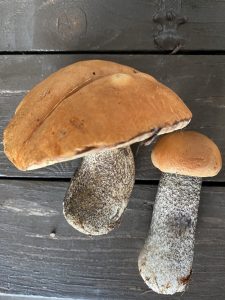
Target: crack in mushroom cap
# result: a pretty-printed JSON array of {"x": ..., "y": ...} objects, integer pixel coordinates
[
  {"x": 45, "y": 97},
  {"x": 187, "y": 153},
  {"x": 112, "y": 111}
]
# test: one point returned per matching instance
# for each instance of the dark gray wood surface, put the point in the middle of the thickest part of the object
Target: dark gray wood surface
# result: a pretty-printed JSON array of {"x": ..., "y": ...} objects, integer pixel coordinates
[
  {"x": 81, "y": 267},
  {"x": 33, "y": 262},
  {"x": 93, "y": 25},
  {"x": 199, "y": 80},
  {"x": 22, "y": 297}
]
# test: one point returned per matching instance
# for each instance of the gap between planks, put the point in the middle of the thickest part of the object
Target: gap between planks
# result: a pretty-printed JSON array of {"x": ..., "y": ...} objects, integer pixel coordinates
[
  {"x": 116, "y": 52},
  {"x": 137, "y": 182}
]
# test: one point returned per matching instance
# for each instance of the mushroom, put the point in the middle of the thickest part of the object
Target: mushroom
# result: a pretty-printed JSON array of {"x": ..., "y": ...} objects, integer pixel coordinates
[
  {"x": 84, "y": 109},
  {"x": 165, "y": 262}
]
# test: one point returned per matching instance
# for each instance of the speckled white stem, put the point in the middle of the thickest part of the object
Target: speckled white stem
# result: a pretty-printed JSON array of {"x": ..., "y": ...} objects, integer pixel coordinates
[
  {"x": 99, "y": 191},
  {"x": 165, "y": 262}
]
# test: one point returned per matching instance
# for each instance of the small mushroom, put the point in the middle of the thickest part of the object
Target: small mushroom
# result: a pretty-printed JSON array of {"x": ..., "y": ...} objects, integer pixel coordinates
[
  {"x": 165, "y": 262},
  {"x": 80, "y": 111}
]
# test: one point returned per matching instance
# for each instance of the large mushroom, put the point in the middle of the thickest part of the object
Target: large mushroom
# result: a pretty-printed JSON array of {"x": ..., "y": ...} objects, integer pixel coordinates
[
  {"x": 83, "y": 109},
  {"x": 165, "y": 262}
]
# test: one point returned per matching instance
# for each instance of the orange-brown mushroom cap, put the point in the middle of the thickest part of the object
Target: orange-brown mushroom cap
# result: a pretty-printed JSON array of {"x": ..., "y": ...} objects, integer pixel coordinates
[
  {"x": 87, "y": 107},
  {"x": 187, "y": 153}
]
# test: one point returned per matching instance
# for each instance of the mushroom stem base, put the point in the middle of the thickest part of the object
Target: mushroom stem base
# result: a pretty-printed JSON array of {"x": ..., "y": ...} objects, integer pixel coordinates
[{"x": 165, "y": 262}]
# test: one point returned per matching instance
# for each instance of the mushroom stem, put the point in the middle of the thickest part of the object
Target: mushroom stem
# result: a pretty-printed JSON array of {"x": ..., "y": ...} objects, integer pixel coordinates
[
  {"x": 165, "y": 262},
  {"x": 99, "y": 191}
]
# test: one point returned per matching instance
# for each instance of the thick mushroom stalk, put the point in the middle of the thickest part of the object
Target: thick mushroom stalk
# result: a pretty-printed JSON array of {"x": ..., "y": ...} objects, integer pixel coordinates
[
  {"x": 165, "y": 262},
  {"x": 100, "y": 190}
]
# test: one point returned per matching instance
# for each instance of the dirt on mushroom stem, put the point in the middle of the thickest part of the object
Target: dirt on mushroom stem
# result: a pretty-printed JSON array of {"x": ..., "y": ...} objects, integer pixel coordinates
[
  {"x": 167, "y": 256},
  {"x": 99, "y": 191}
]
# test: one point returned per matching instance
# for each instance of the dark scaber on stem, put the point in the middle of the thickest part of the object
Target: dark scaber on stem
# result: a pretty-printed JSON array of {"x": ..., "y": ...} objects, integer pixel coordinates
[
  {"x": 99, "y": 191},
  {"x": 165, "y": 262}
]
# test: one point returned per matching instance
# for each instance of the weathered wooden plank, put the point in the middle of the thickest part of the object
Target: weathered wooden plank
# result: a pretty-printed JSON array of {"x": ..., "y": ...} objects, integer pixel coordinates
[
  {"x": 22, "y": 297},
  {"x": 105, "y": 267},
  {"x": 199, "y": 80},
  {"x": 92, "y": 25}
]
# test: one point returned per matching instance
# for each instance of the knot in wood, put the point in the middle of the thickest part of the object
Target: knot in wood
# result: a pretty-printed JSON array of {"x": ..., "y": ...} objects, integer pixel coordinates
[{"x": 168, "y": 37}]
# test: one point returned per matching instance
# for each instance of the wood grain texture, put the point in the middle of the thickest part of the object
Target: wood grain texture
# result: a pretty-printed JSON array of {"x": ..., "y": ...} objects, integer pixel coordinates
[
  {"x": 81, "y": 267},
  {"x": 22, "y": 297},
  {"x": 93, "y": 25},
  {"x": 199, "y": 80}
]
